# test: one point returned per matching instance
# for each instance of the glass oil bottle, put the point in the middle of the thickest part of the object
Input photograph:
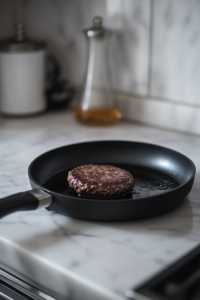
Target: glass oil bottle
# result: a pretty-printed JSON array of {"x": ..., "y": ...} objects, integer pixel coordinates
[{"x": 96, "y": 103}]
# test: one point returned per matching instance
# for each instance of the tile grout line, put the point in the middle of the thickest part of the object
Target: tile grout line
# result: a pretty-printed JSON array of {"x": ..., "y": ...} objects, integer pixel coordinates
[
  {"x": 155, "y": 98},
  {"x": 146, "y": 109},
  {"x": 118, "y": 93},
  {"x": 151, "y": 14}
]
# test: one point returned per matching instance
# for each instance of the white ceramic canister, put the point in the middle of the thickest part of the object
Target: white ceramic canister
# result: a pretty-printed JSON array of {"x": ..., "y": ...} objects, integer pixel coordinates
[{"x": 22, "y": 75}]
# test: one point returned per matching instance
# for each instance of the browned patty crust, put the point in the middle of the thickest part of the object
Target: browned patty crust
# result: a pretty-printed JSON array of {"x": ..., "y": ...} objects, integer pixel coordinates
[{"x": 100, "y": 180}]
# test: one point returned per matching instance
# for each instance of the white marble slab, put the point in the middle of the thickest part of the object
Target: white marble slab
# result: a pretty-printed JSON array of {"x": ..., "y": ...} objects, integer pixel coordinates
[
  {"x": 175, "y": 54},
  {"x": 61, "y": 24},
  {"x": 88, "y": 260}
]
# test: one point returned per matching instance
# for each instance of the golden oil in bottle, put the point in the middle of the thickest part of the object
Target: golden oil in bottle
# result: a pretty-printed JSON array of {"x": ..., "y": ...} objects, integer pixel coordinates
[
  {"x": 96, "y": 103},
  {"x": 107, "y": 116}
]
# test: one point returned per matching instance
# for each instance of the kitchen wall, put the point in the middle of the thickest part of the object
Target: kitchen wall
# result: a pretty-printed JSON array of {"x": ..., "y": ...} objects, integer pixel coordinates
[{"x": 155, "y": 57}]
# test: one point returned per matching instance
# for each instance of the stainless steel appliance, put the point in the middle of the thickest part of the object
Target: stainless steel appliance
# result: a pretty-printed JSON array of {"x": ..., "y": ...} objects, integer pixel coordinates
[
  {"x": 180, "y": 281},
  {"x": 13, "y": 288}
]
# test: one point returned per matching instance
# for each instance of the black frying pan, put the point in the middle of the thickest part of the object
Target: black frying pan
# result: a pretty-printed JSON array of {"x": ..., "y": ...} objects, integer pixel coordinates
[{"x": 163, "y": 178}]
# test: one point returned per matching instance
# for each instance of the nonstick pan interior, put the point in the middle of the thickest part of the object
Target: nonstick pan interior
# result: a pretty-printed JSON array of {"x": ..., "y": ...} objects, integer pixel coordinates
[
  {"x": 163, "y": 178},
  {"x": 147, "y": 183}
]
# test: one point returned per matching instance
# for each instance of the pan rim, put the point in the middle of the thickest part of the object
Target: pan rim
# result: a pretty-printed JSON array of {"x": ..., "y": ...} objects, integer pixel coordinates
[{"x": 111, "y": 200}]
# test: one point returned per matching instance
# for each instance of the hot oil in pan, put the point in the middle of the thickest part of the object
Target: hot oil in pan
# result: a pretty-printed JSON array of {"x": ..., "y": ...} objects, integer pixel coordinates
[{"x": 147, "y": 183}]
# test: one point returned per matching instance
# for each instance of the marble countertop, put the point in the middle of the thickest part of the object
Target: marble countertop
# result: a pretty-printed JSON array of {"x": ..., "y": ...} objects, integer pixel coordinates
[{"x": 88, "y": 260}]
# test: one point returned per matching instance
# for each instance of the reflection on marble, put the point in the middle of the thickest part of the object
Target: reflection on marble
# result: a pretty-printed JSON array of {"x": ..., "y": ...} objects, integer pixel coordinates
[
  {"x": 88, "y": 260},
  {"x": 176, "y": 44},
  {"x": 61, "y": 24}
]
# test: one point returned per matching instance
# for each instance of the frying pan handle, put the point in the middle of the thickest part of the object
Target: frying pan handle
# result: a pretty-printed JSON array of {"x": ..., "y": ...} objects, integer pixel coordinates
[{"x": 29, "y": 200}]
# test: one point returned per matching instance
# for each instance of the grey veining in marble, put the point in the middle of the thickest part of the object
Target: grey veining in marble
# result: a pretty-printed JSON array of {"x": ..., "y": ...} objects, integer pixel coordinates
[
  {"x": 88, "y": 260},
  {"x": 61, "y": 24},
  {"x": 176, "y": 46}
]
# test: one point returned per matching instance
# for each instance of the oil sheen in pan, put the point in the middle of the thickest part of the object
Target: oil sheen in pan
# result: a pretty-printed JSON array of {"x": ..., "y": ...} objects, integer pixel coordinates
[{"x": 150, "y": 184}]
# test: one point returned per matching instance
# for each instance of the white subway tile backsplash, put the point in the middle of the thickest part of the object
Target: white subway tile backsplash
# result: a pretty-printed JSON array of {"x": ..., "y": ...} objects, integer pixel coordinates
[
  {"x": 130, "y": 45},
  {"x": 155, "y": 51},
  {"x": 165, "y": 114},
  {"x": 61, "y": 22},
  {"x": 176, "y": 50}
]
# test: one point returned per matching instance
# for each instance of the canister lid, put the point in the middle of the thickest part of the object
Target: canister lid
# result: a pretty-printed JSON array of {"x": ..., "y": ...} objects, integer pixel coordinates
[
  {"x": 20, "y": 43},
  {"x": 97, "y": 30}
]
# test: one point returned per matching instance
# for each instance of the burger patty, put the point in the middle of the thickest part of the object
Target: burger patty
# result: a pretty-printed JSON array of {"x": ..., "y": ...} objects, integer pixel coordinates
[{"x": 100, "y": 180}]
